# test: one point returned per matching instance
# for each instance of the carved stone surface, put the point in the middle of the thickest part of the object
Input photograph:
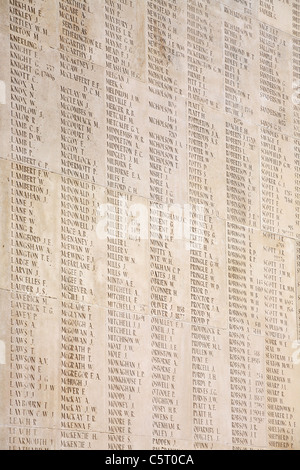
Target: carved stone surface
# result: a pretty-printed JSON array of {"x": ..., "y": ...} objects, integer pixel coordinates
[{"x": 150, "y": 224}]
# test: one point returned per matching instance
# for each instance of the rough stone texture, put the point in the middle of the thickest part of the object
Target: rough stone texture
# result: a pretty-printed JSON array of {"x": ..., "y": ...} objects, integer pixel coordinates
[{"x": 181, "y": 332}]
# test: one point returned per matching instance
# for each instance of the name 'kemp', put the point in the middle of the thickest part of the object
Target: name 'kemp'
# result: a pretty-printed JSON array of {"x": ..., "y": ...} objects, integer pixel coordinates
[{"x": 154, "y": 460}]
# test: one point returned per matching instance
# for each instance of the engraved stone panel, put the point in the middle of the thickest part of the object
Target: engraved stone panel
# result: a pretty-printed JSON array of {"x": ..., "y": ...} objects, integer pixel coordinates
[{"x": 150, "y": 225}]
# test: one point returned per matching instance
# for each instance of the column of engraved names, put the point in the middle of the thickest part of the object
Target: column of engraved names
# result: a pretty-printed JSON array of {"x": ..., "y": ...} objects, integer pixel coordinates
[
  {"x": 80, "y": 96},
  {"x": 296, "y": 74},
  {"x": 166, "y": 80},
  {"x": 243, "y": 207},
  {"x": 277, "y": 157},
  {"x": 31, "y": 391},
  {"x": 280, "y": 331},
  {"x": 204, "y": 50},
  {"x": 296, "y": 133},
  {"x": 126, "y": 173},
  {"x": 208, "y": 293},
  {"x": 239, "y": 60},
  {"x": 246, "y": 346},
  {"x": 241, "y": 137},
  {"x": 208, "y": 298}
]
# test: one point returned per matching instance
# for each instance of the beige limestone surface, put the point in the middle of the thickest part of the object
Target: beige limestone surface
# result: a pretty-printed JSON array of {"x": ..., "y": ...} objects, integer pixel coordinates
[{"x": 150, "y": 224}]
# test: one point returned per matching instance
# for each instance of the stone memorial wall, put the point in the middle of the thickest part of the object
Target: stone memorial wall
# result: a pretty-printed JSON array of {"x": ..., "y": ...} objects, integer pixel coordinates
[{"x": 150, "y": 224}]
